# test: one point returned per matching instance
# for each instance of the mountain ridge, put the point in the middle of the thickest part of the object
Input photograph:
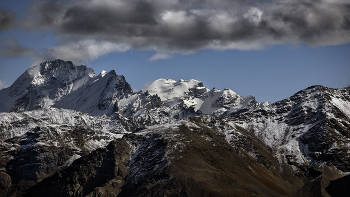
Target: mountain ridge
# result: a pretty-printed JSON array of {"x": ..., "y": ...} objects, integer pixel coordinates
[
  {"x": 82, "y": 90},
  {"x": 182, "y": 138},
  {"x": 52, "y": 83}
]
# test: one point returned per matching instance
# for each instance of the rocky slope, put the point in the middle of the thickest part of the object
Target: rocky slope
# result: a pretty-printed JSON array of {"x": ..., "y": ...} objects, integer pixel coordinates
[
  {"x": 182, "y": 159},
  {"x": 36, "y": 144},
  {"x": 65, "y": 131},
  {"x": 99, "y": 173},
  {"x": 310, "y": 127}
]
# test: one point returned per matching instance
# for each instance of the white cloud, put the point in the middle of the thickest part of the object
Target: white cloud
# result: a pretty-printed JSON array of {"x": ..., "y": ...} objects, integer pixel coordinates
[
  {"x": 253, "y": 15},
  {"x": 160, "y": 56},
  {"x": 85, "y": 50},
  {"x": 3, "y": 84},
  {"x": 221, "y": 22},
  {"x": 219, "y": 45},
  {"x": 176, "y": 18}
]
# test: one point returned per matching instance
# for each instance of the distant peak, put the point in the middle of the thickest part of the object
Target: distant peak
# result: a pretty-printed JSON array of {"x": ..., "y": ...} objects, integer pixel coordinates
[
  {"x": 103, "y": 73},
  {"x": 169, "y": 89},
  {"x": 227, "y": 91},
  {"x": 113, "y": 72},
  {"x": 314, "y": 86},
  {"x": 58, "y": 64}
]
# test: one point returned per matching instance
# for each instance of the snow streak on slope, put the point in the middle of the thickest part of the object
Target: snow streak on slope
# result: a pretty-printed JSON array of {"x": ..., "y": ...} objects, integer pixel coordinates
[{"x": 343, "y": 106}]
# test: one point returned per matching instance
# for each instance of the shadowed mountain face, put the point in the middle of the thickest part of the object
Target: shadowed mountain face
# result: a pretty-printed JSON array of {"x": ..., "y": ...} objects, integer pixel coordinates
[
  {"x": 71, "y": 132},
  {"x": 100, "y": 172},
  {"x": 202, "y": 163}
]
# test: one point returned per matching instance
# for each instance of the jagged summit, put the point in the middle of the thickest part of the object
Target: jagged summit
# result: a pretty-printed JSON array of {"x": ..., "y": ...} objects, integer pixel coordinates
[
  {"x": 103, "y": 73},
  {"x": 62, "y": 84},
  {"x": 59, "y": 68}
]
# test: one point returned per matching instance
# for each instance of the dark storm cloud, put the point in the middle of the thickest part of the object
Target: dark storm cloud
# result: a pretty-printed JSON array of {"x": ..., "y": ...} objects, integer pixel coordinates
[
  {"x": 186, "y": 26},
  {"x": 11, "y": 48},
  {"x": 7, "y": 19},
  {"x": 89, "y": 17}
]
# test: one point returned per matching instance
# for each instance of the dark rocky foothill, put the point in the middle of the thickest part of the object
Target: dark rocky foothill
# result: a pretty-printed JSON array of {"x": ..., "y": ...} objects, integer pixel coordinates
[{"x": 101, "y": 173}]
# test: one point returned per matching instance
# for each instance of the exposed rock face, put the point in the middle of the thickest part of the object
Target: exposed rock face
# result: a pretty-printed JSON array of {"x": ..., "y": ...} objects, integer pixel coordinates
[
  {"x": 62, "y": 137},
  {"x": 100, "y": 173},
  {"x": 154, "y": 102},
  {"x": 305, "y": 129},
  {"x": 34, "y": 163},
  {"x": 148, "y": 174},
  {"x": 115, "y": 88}
]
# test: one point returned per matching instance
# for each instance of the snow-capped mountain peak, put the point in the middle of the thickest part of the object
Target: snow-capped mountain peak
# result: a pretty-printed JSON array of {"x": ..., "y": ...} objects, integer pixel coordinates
[
  {"x": 192, "y": 94},
  {"x": 169, "y": 89},
  {"x": 62, "y": 84},
  {"x": 103, "y": 73}
]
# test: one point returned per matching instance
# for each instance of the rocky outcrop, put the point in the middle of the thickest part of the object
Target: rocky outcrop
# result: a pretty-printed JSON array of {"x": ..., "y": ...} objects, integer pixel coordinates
[
  {"x": 148, "y": 174},
  {"x": 115, "y": 88},
  {"x": 33, "y": 162},
  {"x": 41, "y": 151},
  {"x": 101, "y": 173},
  {"x": 304, "y": 130}
]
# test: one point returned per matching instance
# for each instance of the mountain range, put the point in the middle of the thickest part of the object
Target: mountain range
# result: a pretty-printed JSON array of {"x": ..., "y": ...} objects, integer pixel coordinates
[{"x": 66, "y": 131}]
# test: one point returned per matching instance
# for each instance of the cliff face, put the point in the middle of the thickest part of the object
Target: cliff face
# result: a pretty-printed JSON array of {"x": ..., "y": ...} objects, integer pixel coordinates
[{"x": 100, "y": 172}]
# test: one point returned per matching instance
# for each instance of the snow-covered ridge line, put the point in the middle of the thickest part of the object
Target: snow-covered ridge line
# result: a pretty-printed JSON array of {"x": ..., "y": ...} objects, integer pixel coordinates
[
  {"x": 60, "y": 84},
  {"x": 193, "y": 94},
  {"x": 16, "y": 124},
  {"x": 169, "y": 89}
]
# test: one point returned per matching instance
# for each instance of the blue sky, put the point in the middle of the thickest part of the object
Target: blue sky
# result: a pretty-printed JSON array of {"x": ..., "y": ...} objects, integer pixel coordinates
[{"x": 251, "y": 47}]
